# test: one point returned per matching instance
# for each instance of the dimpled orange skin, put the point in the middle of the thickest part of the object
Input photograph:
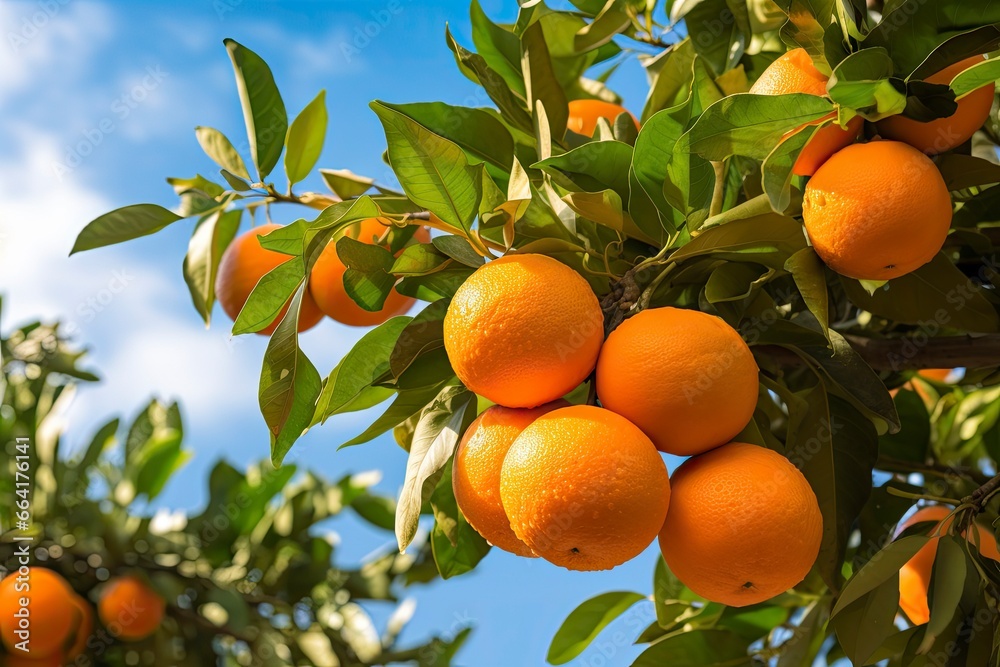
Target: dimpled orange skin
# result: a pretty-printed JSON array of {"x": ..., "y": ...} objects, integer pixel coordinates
[
  {"x": 242, "y": 266},
  {"x": 326, "y": 282},
  {"x": 794, "y": 72},
  {"x": 684, "y": 377},
  {"x": 584, "y": 114},
  {"x": 915, "y": 575},
  {"x": 52, "y": 619},
  {"x": 129, "y": 606},
  {"x": 476, "y": 475},
  {"x": 943, "y": 134},
  {"x": 584, "y": 488},
  {"x": 877, "y": 211},
  {"x": 523, "y": 330},
  {"x": 744, "y": 525}
]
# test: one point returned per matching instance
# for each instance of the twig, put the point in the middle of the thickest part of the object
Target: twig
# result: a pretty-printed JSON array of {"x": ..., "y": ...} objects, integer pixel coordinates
[{"x": 893, "y": 465}]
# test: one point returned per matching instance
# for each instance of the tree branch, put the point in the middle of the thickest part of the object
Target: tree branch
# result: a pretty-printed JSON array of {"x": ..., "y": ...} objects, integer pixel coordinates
[{"x": 906, "y": 353}]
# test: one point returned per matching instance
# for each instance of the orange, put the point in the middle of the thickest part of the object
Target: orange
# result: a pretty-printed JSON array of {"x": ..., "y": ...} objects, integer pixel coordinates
[
  {"x": 20, "y": 660},
  {"x": 915, "y": 575},
  {"x": 794, "y": 72},
  {"x": 242, "y": 266},
  {"x": 744, "y": 525},
  {"x": 130, "y": 609},
  {"x": 52, "y": 616},
  {"x": 877, "y": 211},
  {"x": 326, "y": 282},
  {"x": 684, "y": 377},
  {"x": 523, "y": 330},
  {"x": 476, "y": 476},
  {"x": 943, "y": 134},
  {"x": 584, "y": 114},
  {"x": 584, "y": 488},
  {"x": 85, "y": 628}
]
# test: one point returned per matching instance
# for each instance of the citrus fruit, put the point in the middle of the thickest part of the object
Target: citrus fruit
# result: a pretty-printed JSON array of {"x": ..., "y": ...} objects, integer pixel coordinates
[
  {"x": 523, "y": 330},
  {"x": 915, "y": 575},
  {"x": 47, "y": 619},
  {"x": 476, "y": 476},
  {"x": 130, "y": 609},
  {"x": 744, "y": 525},
  {"x": 881, "y": 221},
  {"x": 584, "y": 488},
  {"x": 943, "y": 134},
  {"x": 584, "y": 114},
  {"x": 684, "y": 377},
  {"x": 242, "y": 266},
  {"x": 326, "y": 282},
  {"x": 84, "y": 629},
  {"x": 794, "y": 72}
]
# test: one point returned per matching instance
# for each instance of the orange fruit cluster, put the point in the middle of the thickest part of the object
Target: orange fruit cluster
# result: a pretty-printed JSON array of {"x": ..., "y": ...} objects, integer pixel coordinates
[
  {"x": 878, "y": 210},
  {"x": 585, "y": 487},
  {"x": 245, "y": 262},
  {"x": 45, "y": 623}
]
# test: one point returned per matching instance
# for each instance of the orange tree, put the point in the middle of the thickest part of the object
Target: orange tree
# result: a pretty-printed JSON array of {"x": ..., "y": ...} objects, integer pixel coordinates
[
  {"x": 817, "y": 177},
  {"x": 249, "y": 580}
]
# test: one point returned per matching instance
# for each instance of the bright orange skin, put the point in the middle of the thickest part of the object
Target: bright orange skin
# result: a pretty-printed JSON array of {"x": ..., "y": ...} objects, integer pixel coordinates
[
  {"x": 915, "y": 575},
  {"x": 52, "y": 615},
  {"x": 130, "y": 608},
  {"x": 877, "y": 211},
  {"x": 744, "y": 525},
  {"x": 584, "y": 114},
  {"x": 943, "y": 134},
  {"x": 685, "y": 378},
  {"x": 476, "y": 476},
  {"x": 523, "y": 330},
  {"x": 326, "y": 282},
  {"x": 794, "y": 72},
  {"x": 85, "y": 629},
  {"x": 584, "y": 488},
  {"x": 242, "y": 266}
]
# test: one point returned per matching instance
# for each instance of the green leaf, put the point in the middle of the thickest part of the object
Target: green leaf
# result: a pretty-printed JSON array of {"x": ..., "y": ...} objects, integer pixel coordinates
[
  {"x": 612, "y": 20},
  {"x": 419, "y": 259},
  {"x": 458, "y": 249},
  {"x": 863, "y": 81},
  {"x": 289, "y": 384},
  {"x": 436, "y": 436},
  {"x": 863, "y": 626},
  {"x": 351, "y": 381},
  {"x": 585, "y": 622},
  {"x": 346, "y": 184},
  {"x": 457, "y": 548},
  {"x": 219, "y": 148},
  {"x": 947, "y": 584},
  {"x": 805, "y": 27},
  {"x": 123, "y": 224},
  {"x": 305, "y": 139},
  {"x": 235, "y": 182},
  {"x": 937, "y": 293},
  {"x": 500, "y": 48},
  {"x": 424, "y": 334},
  {"x": 433, "y": 171},
  {"x": 835, "y": 448},
  {"x": 541, "y": 83},
  {"x": 882, "y": 567},
  {"x": 810, "y": 277},
  {"x": 367, "y": 279},
  {"x": 751, "y": 125},
  {"x": 734, "y": 281},
  {"x": 697, "y": 648},
  {"x": 210, "y": 239},
  {"x": 263, "y": 111},
  {"x": 965, "y": 171},
  {"x": 594, "y": 166},
  {"x": 977, "y": 76},
  {"x": 269, "y": 297},
  {"x": 406, "y": 405},
  {"x": 719, "y": 30},
  {"x": 912, "y": 441},
  {"x": 776, "y": 172},
  {"x": 769, "y": 239}
]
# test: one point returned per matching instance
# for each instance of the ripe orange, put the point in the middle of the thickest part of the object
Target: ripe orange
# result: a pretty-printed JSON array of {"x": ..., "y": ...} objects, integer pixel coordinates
[
  {"x": 744, "y": 525},
  {"x": 584, "y": 114},
  {"x": 523, "y": 330},
  {"x": 877, "y": 211},
  {"x": 943, "y": 134},
  {"x": 130, "y": 609},
  {"x": 584, "y": 488},
  {"x": 242, "y": 266},
  {"x": 684, "y": 377},
  {"x": 84, "y": 629},
  {"x": 794, "y": 72},
  {"x": 476, "y": 476},
  {"x": 326, "y": 282},
  {"x": 51, "y": 615},
  {"x": 915, "y": 575}
]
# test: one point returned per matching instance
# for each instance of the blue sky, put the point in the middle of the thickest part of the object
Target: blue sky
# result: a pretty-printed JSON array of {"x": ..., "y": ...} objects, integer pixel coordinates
[{"x": 98, "y": 103}]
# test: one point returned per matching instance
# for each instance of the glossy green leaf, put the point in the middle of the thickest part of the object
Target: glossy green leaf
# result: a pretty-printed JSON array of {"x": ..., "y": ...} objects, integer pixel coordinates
[
  {"x": 697, "y": 648},
  {"x": 210, "y": 239},
  {"x": 367, "y": 279},
  {"x": 123, "y": 224},
  {"x": 457, "y": 548},
  {"x": 305, "y": 139},
  {"x": 218, "y": 147},
  {"x": 263, "y": 111},
  {"x": 585, "y": 622}
]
